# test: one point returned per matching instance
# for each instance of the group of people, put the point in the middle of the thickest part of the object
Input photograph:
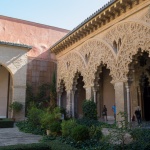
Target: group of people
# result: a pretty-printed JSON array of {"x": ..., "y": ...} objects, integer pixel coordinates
[
  {"x": 104, "y": 112},
  {"x": 137, "y": 114}
]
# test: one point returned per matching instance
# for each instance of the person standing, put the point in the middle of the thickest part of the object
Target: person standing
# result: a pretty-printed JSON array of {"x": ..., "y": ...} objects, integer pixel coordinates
[
  {"x": 104, "y": 113},
  {"x": 114, "y": 110},
  {"x": 138, "y": 115}
]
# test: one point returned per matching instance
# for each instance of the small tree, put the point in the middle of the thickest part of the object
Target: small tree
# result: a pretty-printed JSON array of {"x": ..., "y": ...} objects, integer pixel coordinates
[{"x": 89, "y": 109}]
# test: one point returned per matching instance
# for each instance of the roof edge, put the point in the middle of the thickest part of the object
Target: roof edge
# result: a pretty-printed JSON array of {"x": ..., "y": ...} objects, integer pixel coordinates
[
  {"x": 85, "y": 21},
  {"x": 15, "y": 44},
  {"x": 33, "y": 23}
]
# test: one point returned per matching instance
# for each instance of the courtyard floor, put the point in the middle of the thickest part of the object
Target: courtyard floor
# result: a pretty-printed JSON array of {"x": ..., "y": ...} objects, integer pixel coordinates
[{"x": 12, "y": 136}]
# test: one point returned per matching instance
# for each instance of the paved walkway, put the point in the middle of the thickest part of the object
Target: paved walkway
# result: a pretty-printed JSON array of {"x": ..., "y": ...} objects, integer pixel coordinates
[{"x": 12, "y": 136}]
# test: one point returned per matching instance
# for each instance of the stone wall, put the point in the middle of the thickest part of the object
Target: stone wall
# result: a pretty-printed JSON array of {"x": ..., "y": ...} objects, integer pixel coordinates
[
  {"x": 14, "y": 60},
  {"x": 40, "y": 37}
]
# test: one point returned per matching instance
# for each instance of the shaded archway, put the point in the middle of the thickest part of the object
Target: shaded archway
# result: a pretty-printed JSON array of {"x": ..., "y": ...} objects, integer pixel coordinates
[
  {"x": 79, "y": 95},
  {"x": 5, "y": 92},
  {"x": 105, "y": 93},
  {"x": 139, "y": 80},
  {"x": 63, "y": 95}
]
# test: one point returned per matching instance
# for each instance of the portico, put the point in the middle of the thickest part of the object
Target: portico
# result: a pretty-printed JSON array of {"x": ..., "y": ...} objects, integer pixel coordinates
[{"x": 100, "y": 58}]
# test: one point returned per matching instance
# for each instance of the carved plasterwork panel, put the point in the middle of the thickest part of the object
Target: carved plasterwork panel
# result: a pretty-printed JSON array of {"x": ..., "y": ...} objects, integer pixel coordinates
[
  {"x": 67, "y": 68},
  {"x": 135, "y": 35},
  {"x": 98, "y": 52},
  {"x": 94, "y": 52},
  {"x": 146, "y": 16},
  {"x": 61, "y": 73}
]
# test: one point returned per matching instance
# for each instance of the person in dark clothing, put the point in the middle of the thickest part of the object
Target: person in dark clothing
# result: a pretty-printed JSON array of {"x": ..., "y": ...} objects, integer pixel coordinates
[
  {"x": 104, "y": 113},
  {"x": 138, "y": 115}
]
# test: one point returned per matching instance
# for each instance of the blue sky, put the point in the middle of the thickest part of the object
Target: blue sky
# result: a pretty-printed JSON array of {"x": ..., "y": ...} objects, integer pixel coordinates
[{"x": 65, "y": 14}]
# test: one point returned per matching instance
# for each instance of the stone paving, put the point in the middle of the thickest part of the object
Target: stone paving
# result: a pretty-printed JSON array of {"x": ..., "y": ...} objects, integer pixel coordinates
[{"x": 12, "y": 136}]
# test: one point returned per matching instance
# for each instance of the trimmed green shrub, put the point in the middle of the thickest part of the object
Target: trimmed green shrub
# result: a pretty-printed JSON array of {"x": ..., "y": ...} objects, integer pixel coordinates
[
  {"x": 6, "y": 123},
  {"x": 55, "y": 127},
  {"x": 35, "y": 146},
  {"x": 27, "y": 127},
  {"x": 46, "y": 119},
  {"x": 49, "y": 118},
  {"x": 34, "y": 116},
  {"x": 88, "y": 122},
  {"x": 95, "y": 132},
  {"x": 89, "y": 109},
  {"x": 58, "y": 145},
  {"x": 67, "y": 127},
  {"x": 80, "y": 133}
]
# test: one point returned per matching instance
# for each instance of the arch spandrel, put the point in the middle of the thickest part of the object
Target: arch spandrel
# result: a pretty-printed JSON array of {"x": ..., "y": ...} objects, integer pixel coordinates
[
  {"x": 146, "y": 16},
  {"x": 68, "y": 66},
  {"x": 134, "y": 35},
  {"x": 61, "y": 72},
  {"x": 98, "y": 51}
]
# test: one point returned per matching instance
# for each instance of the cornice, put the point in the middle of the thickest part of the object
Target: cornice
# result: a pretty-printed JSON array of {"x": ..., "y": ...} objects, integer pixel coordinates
[{"x": 100, "y": 18}]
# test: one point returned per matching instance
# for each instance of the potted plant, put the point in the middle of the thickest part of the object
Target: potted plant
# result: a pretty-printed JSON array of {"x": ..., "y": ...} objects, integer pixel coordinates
[{"x": 15, "y": 107}]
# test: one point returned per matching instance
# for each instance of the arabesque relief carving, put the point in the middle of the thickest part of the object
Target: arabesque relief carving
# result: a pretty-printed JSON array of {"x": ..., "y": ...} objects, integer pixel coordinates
[
  {"x": 100, "y": 53},
  {"x": 134, "y": 35},
  {"x": 146, "y": 16},
  {"x": 68, "y": 66},
  {"x": 90, "y": 55}
]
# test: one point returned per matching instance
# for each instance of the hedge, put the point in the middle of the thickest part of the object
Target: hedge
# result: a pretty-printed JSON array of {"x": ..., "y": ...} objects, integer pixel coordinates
[
  {"x": 6, "y": 123},
  {"x": 35, "y": 146},
  {"x": 51, "y": 145},
  {"x": 58, "y": 145}
]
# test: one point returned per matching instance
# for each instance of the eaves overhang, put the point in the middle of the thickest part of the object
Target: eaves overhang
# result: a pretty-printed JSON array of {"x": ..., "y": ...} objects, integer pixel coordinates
[
  {"x": 15, "y": 44},
  {"x": 104, "y": 15}
]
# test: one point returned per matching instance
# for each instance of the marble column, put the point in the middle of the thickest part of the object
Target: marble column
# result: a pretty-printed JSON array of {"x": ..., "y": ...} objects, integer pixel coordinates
[
  {"x": 128, "y": 103},
  {"x": 68, "y": 107},
  {"x": 88, "y": 93},
  {"x": 73, "y": 103},
  {"x": 95, "y": 92},
  {"x": 140, "y": 100},
  {"x": 119, "y": 98}
]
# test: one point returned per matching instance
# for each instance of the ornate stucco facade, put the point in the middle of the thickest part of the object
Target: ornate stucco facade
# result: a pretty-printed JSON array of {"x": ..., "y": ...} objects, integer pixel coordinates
[{"x": 107, "y": 58}]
